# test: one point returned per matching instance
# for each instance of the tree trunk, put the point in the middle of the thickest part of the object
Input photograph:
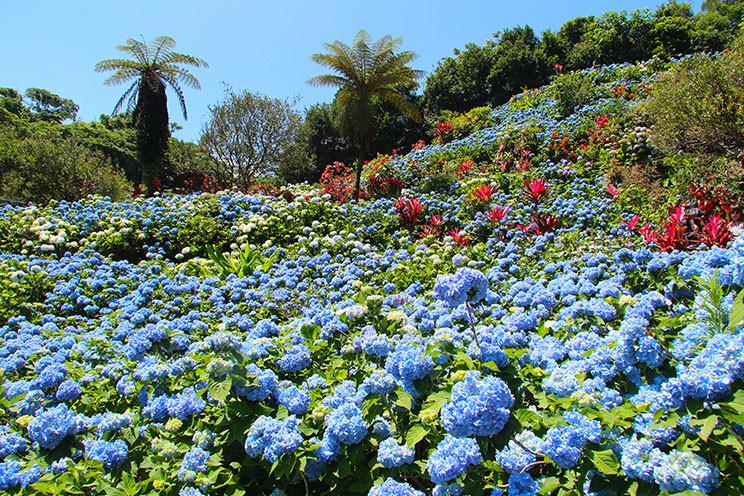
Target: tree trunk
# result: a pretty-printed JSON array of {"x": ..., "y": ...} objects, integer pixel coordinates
[
  {"x": 359, "y": 165},
  {"x": 151, "y": 122}
]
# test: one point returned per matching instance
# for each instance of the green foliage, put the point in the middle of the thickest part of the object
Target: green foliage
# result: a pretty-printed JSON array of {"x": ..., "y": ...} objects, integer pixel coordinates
[
  {"x": 573, "y": 91},
  {"x": 469, "y": 122},
  {"x": 39, "y": 169},
  {"x": 242, "y": 265},
  {"x": 247, "y": 134},
  {"x": 366, "y": 72},
  {"x": 518, "y": 59}
]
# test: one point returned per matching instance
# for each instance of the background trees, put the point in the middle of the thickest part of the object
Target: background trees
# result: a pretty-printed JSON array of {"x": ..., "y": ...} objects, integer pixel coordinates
[
  {"x": 152, "y": 68},
  {"x": 249, "y": 135},
  {"x": 366, "y": 73}
]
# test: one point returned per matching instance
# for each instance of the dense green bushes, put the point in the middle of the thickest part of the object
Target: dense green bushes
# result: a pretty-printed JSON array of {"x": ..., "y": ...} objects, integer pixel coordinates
[{"x": 39, "y": 169}]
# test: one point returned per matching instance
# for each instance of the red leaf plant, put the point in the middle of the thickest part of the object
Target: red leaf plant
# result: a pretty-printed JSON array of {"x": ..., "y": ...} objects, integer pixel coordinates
[
  {"x": 497, "y": 214},
  {"x": 535, "y": 191},
  {"x": 460, "y": 237},
  {"x": 484, "y": 193},
  {"x": 716, "y": 232},
  {"x": 409, "y": 210}
]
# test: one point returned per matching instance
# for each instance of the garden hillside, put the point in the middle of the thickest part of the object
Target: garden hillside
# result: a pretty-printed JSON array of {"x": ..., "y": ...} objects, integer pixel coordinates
[{"x": 543, "y": 302}]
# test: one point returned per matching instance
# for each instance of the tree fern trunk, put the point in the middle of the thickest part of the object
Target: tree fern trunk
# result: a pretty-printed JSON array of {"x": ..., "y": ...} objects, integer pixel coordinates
[{"x": 151, "y": 121}]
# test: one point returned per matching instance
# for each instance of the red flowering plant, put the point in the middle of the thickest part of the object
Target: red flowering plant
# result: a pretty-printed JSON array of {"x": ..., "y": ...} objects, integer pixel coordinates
[
  {"x": 338, "y": 181},
  {"x": 386, "y": 186}
]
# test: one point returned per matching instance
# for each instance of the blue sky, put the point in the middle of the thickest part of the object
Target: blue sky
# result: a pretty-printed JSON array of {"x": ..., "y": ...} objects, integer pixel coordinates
[{"x": 260, "y": 46}]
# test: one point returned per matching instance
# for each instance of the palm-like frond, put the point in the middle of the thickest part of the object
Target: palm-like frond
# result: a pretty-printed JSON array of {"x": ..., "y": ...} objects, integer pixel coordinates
[
  {"x": 130, "y": 94},
  {"x": 155, "y": 64}
]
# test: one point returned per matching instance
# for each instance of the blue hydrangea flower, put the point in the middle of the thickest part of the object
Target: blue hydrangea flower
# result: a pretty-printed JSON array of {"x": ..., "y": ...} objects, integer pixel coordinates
[
  {"x": 391, "y": 454},
  {"x": 393, "y": 488},
  {"x": 69, "y": 390},
  {"x": 294, "y": 359},
  {"x": 11, "y": 475},
  {"x": 453, "y": 489},
  {"x": 464, "y": 285},
  {"x": 681, "y": 471},
  {"x": 50, "y": 427},
  {"x": 346, "y": 425},
  {"x": 195, "y": 460},
  {"x": 477, "y": 407},
  {"x": 272, "y": 438},
  {"x": 452, "y": 457},
  {"x": 11, "y": 444},
  {"x": 522, "y": 484},
  {"x": 111, "y": 454}
]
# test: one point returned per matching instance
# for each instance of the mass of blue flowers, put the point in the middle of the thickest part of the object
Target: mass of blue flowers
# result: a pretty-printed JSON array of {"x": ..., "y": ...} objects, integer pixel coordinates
[{"x": 372, "y": 358}]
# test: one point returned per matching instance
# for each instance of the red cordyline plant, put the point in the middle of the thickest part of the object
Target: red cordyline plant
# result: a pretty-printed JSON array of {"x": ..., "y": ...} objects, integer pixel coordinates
[
  {"x": 535, "y": 191},
  {"x": 432, "y": 229},
  {"x": 716, "y": 232},
  {"x": 484, "y": 193},
  {"x": 409, "y": 210},
  {"x": 542, "y": 224},
  {"x": 497, "y": 214},
  {"x": 460, "y": 237},
  {"x": 464, "y": 168}
]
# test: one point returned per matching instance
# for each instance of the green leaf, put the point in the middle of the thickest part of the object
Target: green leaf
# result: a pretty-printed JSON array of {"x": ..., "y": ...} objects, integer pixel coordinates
[
  {"x": 737, "y": 312},
  {"x": 527, "y": 417},
  {"x": 605, "y": 461},
  {"x": 708, "y": 426},
  {"x": 220, "y": 390},
  {"x": 416, "y": 434},
  {"x": 549, "y": 484},
  {"x": 403, "y": 400}
]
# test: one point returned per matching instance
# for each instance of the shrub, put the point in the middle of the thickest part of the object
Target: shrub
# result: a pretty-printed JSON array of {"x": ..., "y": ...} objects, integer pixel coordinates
[
  {"x": 38, "y": 169},
  {"x": 573, "y": 91},
  {"x": 697, "y": 106}
]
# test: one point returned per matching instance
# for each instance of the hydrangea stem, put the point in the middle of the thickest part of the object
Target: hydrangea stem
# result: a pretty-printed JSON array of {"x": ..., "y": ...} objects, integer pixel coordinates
[{"x": 472, "y": 327}]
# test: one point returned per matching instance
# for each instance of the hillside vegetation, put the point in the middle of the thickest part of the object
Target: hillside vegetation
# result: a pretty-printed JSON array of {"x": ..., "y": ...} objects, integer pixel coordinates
[{"x": 527, "y": 306}]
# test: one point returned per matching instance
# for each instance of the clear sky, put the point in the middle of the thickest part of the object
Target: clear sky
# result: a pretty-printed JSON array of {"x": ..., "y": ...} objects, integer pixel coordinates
[{"x": 260, "y": 46}]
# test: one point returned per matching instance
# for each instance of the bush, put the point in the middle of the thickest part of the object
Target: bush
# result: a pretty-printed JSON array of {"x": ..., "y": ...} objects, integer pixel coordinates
[
  {"x": 573, "y": 91},
  {"x": 37, "y": 169},
  {"x": 697, "y": 106}
]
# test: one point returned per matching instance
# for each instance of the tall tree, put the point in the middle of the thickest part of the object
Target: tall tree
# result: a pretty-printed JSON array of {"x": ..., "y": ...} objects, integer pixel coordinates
[
  {"x": 366, "y": 72},
  {"x": 248, "y": 134},
  {"x": 153, "y": 67}
]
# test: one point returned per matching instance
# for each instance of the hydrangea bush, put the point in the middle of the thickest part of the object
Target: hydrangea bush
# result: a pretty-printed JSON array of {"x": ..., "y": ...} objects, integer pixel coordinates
[{"x": 564, "y": 357}]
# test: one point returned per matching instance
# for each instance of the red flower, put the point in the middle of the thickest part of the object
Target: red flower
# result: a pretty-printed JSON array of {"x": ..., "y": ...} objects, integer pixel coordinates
[
  {"x": 436, "y": 220},
  {"x": 612, "y": 190}
]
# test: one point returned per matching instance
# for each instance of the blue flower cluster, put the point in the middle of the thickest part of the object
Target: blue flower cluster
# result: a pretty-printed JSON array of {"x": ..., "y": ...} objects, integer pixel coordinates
[
  {"x": 392, "y": 487},
  {"x": 111, "y": 454},
  {"x": 464, "y": 285},
  {"x": 452, "y": 457},
  {"x": 273, "y": 438},
  {"x": 391, "y": 454},
  {"x": 477, "y": 407}
]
